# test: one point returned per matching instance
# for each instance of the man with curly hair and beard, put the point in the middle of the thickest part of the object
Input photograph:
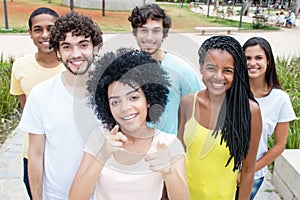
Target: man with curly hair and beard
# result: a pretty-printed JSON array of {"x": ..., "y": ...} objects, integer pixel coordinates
[
  {"x": 55, "y": 150},
  {"x": 151, "y": 25}
]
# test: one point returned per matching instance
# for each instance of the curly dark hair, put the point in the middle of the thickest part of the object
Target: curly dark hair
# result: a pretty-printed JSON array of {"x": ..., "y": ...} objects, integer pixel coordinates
[
  {"x": 140, "y": 15},
  {"x": 80, "y": 25},
  {"x": 131, "y": 67},
  {"x": 234, "y": 119}
]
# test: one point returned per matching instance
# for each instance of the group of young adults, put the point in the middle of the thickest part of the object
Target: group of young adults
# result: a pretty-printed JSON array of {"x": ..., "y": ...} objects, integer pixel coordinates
[{"x": 159, "y": 135}]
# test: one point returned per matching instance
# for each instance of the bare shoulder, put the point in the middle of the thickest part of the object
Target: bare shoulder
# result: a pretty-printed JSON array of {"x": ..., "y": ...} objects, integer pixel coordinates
[
  {"x": 254, "y": 107},
  {"x": 187, "y": 99},
  {"x": 186, "y": 105}
]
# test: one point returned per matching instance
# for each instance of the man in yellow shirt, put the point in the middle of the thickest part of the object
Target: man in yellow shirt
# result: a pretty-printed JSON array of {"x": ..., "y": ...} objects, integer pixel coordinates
[{"x": 34, "y": 68}]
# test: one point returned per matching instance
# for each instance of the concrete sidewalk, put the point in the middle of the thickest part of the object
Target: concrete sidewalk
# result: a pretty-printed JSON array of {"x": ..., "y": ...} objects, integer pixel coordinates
[{"x": 11, "y": 173}]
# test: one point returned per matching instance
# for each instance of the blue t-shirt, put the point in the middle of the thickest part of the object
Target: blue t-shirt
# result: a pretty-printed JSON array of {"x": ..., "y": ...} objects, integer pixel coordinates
[{"x": 184, "y": 80}]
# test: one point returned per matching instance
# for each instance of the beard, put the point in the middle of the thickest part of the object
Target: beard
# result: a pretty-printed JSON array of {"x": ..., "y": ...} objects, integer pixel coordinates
[{"x": 83, "y": 69}]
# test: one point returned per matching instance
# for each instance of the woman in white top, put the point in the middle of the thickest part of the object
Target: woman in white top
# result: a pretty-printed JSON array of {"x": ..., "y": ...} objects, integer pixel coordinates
[
  {"x": 281, "y": 19},
  {"x": 275, "y": 105},
  {"x": 132, "y": 161}
]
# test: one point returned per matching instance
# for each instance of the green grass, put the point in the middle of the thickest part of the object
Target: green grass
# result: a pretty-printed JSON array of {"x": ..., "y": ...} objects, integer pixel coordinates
[
  {"x": 14, "y": 30},
  {"x": 9, "y": 105},
  {"x": 183, "y": 19}
]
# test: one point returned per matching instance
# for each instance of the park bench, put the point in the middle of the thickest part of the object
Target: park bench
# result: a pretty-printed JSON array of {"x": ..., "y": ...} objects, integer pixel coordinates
[
  {"x": 216, "y": 29},
  {"x": 261, "y": 19}
]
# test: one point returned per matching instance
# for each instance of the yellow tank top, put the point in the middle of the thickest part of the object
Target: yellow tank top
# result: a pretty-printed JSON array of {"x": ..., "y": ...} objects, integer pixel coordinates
[{"x": 208, "y": 178}]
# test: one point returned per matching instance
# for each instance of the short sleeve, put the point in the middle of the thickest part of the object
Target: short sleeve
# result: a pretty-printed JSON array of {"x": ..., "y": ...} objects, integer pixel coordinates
[
  {"x": 286, "y": 112},
  {"x": 15, "y": 85},
  {"x": 32, "y": 118}
]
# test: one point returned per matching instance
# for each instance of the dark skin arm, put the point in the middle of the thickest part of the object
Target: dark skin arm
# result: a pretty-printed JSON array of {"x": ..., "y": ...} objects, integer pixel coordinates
[
  {"x": 184, "y": 113},
  {"x": 22, "y": 99}
]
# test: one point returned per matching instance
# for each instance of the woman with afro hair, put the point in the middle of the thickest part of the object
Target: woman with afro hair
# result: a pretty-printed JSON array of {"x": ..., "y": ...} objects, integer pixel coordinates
[{"x": 129, "y": 89}]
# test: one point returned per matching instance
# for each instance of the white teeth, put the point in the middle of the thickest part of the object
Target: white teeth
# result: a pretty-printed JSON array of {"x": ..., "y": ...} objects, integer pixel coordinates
[
  {"x": 218, "y": 85},
  {"x": 76, "y": 62},
  {"x": 129, "y": 117},
  {"x": 45, "y": 42},
  {"x": 253, "y": 70}
]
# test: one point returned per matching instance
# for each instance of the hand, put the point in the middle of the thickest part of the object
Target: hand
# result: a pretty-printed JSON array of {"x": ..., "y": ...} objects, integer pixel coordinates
[
  {"x": 159, "y": 158},
  {"x": 114, "y": 142}
]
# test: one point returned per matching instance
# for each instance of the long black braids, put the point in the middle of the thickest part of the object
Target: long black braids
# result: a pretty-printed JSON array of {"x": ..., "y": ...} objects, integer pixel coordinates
[{"x": 234, "y": 119}]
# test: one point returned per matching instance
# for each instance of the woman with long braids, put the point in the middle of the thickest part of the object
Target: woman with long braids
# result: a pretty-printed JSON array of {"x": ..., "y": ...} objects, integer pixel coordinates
[
  {"x": 265, "y": 85},
  {"x": 220, "y": 126}
]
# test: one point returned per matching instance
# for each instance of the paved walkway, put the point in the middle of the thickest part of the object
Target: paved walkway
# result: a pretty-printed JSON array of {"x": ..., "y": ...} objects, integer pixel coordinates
[
  {"x": 12, "y": 187},
  {"x": 285, "y": 43}
]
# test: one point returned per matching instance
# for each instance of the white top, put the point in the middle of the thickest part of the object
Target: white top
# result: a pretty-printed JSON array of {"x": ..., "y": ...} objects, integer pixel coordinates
[
  {"x": 281, "y": 19},
  {"x": 292, "y": 18},
  {"x": 274, "y": 108},
  {"x": 49, "y": 111},
  {"x": 136, "y": 181}
]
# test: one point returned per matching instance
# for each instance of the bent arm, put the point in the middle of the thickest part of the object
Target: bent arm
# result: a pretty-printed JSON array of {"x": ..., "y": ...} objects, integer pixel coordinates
[
  {"x": 86, "y": 177},
  {"x": 248, "y": 165},
  {"x": 22, "y": 99},
  {"x": 181, "y": 123},
  {"x": 36, "y": 164},
  {"x": 280, "y": 138},
  {"x": 176, "y": 182},
  {"x": 184, "y": 112}
]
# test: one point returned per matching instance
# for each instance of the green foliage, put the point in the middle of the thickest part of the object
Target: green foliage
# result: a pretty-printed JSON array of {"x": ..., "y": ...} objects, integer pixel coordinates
[
  {"x": 261, "y": 22},
  {"x": 288, "y": 71},
  {"x": 289, "y": 75},
  {"x": 15, "y": 30},
  {"x": 9, "y": 105}
]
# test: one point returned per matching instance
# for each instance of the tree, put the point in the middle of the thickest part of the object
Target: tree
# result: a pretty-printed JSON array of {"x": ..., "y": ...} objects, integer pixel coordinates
[
  {"x": 72, "y": 5},
  {"x": 103, "y": 7}
]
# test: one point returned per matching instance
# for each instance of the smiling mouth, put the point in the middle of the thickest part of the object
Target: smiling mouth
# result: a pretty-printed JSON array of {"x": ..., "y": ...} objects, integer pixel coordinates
[
  {"x": 129, "y": 117},
  {"x": 76, "y": 62},
  {"x": 218, "y": 85},
  {"x": 253, "y": 70},
  {"x": 44, "y": 43}
]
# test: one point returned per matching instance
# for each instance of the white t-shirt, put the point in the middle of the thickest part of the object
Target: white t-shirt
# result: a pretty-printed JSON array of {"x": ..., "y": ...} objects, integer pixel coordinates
[
  {"x": 49, "y": 111},
  {"x": 274, "y": 108},
  {"x": 135, "y": 182}
]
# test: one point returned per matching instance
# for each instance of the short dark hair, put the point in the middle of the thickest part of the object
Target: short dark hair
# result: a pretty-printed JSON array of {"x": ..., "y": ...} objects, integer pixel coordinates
[
  {"x": 131, "y": 67},
  {"x": 271, "y": 77},
  {"x": 39, "y": 11},
  {"x": 140, "y": 15},
  {"x": 80, "y": 25}
]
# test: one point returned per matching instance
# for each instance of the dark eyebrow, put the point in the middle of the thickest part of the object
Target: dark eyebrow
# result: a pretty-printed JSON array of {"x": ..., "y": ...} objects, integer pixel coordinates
[
  {"x": 36, "y": 26},
  {"x": 67, "y": 43},
  {"x": 82, "y": 41},
  {"x": 128, "y": 93}
]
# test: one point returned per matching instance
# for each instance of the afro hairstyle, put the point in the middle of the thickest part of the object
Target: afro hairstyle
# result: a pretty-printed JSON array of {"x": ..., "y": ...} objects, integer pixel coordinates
[{"x": 131, "y": 67}]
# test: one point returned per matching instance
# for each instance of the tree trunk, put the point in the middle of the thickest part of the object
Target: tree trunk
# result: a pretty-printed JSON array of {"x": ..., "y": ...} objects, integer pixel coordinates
[
  {"x": 103, "y": 7},
  {"x": 72, "y": 5}
]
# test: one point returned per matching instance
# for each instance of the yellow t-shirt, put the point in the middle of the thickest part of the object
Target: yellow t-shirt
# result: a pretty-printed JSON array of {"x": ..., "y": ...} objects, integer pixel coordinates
[
  {"x": 26, "y": 73},
  {"x": 208, "y": 178}
]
